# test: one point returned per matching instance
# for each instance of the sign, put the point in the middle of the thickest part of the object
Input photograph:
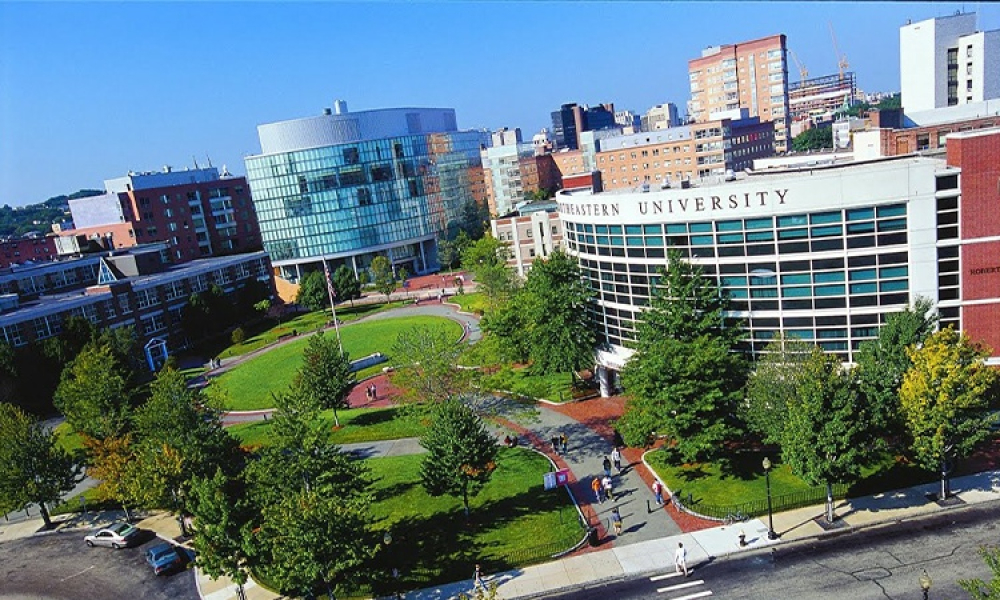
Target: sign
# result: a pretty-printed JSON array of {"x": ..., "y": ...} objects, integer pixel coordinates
[{"x": 556, "y": 479}]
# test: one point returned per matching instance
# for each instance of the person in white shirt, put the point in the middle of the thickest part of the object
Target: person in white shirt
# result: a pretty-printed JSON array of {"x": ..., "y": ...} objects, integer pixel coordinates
[{"x": 680, "y": 559}]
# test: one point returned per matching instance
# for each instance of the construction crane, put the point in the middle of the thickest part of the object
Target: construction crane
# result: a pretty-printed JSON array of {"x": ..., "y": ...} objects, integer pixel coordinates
[
  {"x": 803, "y": 73},
  {"x": 842, "y": 63}
]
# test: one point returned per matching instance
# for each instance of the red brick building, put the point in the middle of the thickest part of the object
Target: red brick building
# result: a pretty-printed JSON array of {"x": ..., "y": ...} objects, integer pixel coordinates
[{"x": 23, "y": 249}]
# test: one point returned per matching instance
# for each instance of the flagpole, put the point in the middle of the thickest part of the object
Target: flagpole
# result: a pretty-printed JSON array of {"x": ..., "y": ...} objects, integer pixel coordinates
[{"x": 333, "y": 305}]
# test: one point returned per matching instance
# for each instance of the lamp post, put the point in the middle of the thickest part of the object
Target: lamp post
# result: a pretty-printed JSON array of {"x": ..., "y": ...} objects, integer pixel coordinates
[
  {"x": 387, "y": 540},
  {"x": 925, "y": 583},
  {"x": 771, "y": 534}
]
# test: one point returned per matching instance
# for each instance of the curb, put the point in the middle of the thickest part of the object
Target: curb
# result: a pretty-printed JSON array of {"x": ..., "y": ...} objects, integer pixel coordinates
[
  {"x": 576, "y": 505},
  {"x": 680, "y": 506}
]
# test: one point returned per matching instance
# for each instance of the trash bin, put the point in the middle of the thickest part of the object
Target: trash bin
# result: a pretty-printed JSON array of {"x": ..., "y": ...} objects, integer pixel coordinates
[{"x": 592, "y": 538}]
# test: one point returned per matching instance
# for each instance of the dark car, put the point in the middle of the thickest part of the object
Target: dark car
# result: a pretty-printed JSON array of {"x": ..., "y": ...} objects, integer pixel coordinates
[{"x": 163, "y": 558}]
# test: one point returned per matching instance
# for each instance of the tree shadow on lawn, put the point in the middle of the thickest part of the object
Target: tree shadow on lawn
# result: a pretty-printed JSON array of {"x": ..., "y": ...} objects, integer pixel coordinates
[
  {"x": 375, "y": 417},
  {"x": 394, "y": 490}
]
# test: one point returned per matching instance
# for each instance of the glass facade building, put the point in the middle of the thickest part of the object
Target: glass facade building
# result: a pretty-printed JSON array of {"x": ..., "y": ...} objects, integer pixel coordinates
[
  {"x": 380, "y": 182},
  {"x": 823, "y": 254}
]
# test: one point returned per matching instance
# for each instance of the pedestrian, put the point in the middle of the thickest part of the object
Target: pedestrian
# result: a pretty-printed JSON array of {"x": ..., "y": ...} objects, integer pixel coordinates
[
  {"x": 565, "y": 441},
  {"x": 616, "y": 457},
  {"x": 607, "y": 466},
  {"x": 680, "y": 559},
  {"x": 616, "y": 520},
  {"x": 606, "y": 482},
  {"x": 597, "y": 487},
  {"x": 555, "y": 444},
  {"x": 368, "y": 393},
  {"x": 374, "y": 392},
  {"x": 478, "y": 578},
  {"x": 658, "y": 492}
]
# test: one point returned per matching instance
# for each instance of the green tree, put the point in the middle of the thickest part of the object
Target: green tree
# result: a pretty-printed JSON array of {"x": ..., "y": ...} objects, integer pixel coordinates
[
  {"x": 945, "y": 396},
  {"x": 985, "y": 590},
  {"x": 815, "y": 138},
  {"x": 425, "y": 360},
  {"x": 92, "y": 394},
  {"x": 504, "y": 325},
  {"x": 345, "y": 284},
  {"x": 883, "y": 362},
  {"x": 461, "y": 453},
  {"x": 312, "y": 291},
  {"x": 824, "y": 441},
  {"x": 326, "y": 373},
  {"x": 382, "y": 276},
  {"x": 774, "y": 385},
  {"x": 486, "y": 259},
  {"x": 555, "y": 304},
  {"x": 33, "y": 469},
  {"x": 225, "y": 520}
]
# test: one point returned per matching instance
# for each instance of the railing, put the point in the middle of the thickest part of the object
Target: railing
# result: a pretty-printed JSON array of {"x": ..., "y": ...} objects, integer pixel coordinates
[{"x": 758, "y": 506}]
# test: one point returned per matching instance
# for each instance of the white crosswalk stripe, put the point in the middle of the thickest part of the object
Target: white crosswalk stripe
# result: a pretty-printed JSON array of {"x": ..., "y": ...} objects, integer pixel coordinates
[
  {"x": 681, "y": 587},
  {"x": 667, "y": 576},
  {"x": 693, "y": 596}
]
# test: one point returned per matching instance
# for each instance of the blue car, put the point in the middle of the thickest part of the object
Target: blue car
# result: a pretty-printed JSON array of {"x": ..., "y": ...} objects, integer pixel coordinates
[{"x": 163, "y": 558}]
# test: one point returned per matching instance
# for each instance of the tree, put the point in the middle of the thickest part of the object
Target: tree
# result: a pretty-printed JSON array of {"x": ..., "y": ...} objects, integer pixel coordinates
[
  {"x": 555, "y": 304},
  {"x": 447, "y": 254},
  {"x": 883, "y": 362},
  {"x": 774, "y": 385},
  {"x": 110, "y": 461},
  {"x": 685, "y": 379},
  {"x": 945, "y": 396},
  {"x": 425, "y": 360},
  {"x": 33, "y": 469},
  {"x": 312, "y": 291},
  {"x": 92, "y": 394},
  {"x": 814, "y": 138},
  {"x": 985, "y": 590},
  {"x": 326, "y": 373},
  {"x": 382, "y": 276},
  {"x": 461, "y": 453},
  {"x": 346, "y": 284},
  {"x": 823, "y": 440},
  {"x": 505, "y": 325},
  {"x": 225, "y": 519},
  {"x": 486, "y": 259}
]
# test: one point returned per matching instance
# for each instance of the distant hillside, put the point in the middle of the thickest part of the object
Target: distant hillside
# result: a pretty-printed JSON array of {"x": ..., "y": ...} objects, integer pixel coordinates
[{"x": 38, "y": 217}]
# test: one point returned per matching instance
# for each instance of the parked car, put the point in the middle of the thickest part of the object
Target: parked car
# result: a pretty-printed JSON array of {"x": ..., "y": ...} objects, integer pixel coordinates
[
  {"x": 118, "y": 535},
  {"x": 163, "y": 558}
]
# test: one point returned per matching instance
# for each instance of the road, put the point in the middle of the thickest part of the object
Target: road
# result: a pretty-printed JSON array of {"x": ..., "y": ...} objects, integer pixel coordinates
[
  {"x": 876, "y": 564},
  {"x": 61, "y": 567}
]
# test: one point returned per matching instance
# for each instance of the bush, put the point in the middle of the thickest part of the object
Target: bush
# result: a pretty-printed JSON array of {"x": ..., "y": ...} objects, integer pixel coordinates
[{"x": 239, "y": 336}]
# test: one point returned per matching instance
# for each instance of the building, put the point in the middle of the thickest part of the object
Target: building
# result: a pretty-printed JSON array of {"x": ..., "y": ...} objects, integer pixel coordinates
[
  {"x": 26, "y": 249},
  {"x": 927, "y": 131},
  {"x": 677, "y": 155},
  {"x": 533, "y": 232},
  {"x": 134, "y": 287},
  {"x": 344, "y": 187},
  {"x": 945, "y": 61},
  {"x": 751, "y": 75},
  {"x": 661, "y": 116},
  {"x": 823, "y": 253},
  {"x": 513, "y": 172},
  {"x": 820, "y": 97},
  {"x": 572, "y": 119},
  {"x": 196, "y": 212},
  {"x": 628, "y": 120}
]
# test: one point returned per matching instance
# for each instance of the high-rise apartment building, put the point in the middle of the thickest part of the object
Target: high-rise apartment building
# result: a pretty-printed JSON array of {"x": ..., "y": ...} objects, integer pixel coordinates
[
  {"x": 514, "y": 171},
  {"x": 661, "y": 116},
  {"x": 572, "y": 119},
  {"x": 946, "y": 62},
  {"x": 751, "y": 75}
]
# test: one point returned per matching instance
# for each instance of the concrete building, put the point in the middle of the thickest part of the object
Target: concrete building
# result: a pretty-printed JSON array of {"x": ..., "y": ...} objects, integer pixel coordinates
[
  {"x": 675, "y": 156},
  {"x": 823, "y": 253},
  {"x": 533, "y": 232},
  {"x": 628, "y": 120},
  {"x": 196, "y": 212},
  {"x": 927, "y": 131},
  {"x": 820, "y": 97},
  {"x": 945, "y": 61},
  {"x": 751, "y": 75},
  {"x": 661, "y": 116},
  {"x": 344, "y": 187},
  {"x": 572, "y": 119},
  {"x": 513, "y": 172}
]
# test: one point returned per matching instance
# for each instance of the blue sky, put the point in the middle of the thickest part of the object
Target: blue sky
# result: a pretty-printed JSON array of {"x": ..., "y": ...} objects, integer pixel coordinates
[{"x": 89, "y": 91}]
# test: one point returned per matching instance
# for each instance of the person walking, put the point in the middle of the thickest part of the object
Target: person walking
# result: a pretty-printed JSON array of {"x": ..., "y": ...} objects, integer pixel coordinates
[
  {"x": 616, "y": 520},
  {"x": 607, "y": 466},
  {"x": 555, "y": 444},
  {"x": 680, "y": 559},
  {"x": 477, "y": 579},
  {"x": 658, "y": 492},
  {"x": 616, "y": 457},
  {"x": 597, "y": 487},
  {"x": 374, "y": 392},
  {"x": 565, "y": 441},
  {"x": 608, "y": 491}
]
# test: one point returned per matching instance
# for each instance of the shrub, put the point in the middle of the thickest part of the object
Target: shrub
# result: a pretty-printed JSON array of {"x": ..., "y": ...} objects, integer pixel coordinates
[{"x": 239, "y": 336}]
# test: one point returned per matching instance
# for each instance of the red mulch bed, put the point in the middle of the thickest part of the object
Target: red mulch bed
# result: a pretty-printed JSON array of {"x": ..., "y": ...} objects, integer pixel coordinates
[{"x": 384, "y": 390}]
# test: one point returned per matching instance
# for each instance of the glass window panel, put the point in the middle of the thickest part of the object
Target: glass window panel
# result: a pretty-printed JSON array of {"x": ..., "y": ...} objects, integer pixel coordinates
[
  {"x": 792, "y": 220},
  {"x": 602, "y": 239},
  {"x": 830, "y": 290},
  {"x": 827, "y": 231},
  {"x": 700, "y": 227},
  {"x": 862, "y": 227},
  {"x": 702, "y": 240},
  {"x": 860, "y": 214},
  {"x": 654, "y": 241},
  {"x": 863, "y": 288},
  {"x": 738, "y": 293},
  {"x": 791, "y": 234},
  {"x": 731, "y": 238},
  {"x": 827, "y": 217},
  {"x": 796, "y": 278},
  {"x": 795, "y": 292},
  {"x": 759, "y": 223},
  {"x": 760, "y": 236},
  {"x": 633, "y": 229},
  {"x": 601, "y": 229},
  {"x": 892, "y": 225},
  {"x": 652, "y": 229},
  {"x": 900, "y": 285},
  {"x": 802, "y": 334},
  {"x": 734, "y": 281},
  {"x": 728, "y": 225},
  {"x": 890, "y": 272},
  {"x": 615, "y": 229},
  {"x": 677, "y": 228},
  {"x": 617, "y": 240},
  {"x": 829, "y": 277},
  {"x": 633, "y": 241},
  {"x": 896, "y": 210}
]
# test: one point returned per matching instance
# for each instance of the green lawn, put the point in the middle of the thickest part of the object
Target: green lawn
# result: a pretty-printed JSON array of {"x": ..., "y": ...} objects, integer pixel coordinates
[
  {"x": 474, "y": 302},
  {"x": 356, "y": 425},
  {"x": 556, "y": 387},
  {"x": 513, "y": 521},
  {"x": 72, "y": 505},
  {"x": 67, "y": 439},
  {"x": 250, "y": 386}
]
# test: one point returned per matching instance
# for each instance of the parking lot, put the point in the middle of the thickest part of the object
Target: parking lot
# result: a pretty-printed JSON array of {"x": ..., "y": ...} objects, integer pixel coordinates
[{"x": 61, "y": 567}]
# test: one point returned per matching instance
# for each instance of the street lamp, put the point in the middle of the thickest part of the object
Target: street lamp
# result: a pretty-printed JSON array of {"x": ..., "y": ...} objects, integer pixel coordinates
[
  {"x": 925, "y": 583},
  {"x": 771, "y": 534}
]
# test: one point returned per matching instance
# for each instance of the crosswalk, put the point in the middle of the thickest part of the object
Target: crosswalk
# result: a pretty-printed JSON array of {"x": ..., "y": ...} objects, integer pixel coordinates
[{"x": 687, "y": 590}]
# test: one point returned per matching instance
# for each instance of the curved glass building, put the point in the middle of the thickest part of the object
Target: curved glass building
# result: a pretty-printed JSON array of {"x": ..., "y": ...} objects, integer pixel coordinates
[{"x": 345, "y": 187}]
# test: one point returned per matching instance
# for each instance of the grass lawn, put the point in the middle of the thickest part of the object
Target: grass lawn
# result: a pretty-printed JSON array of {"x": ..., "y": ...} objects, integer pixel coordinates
[
  {"x": 67, "y": 439},
  {"x": 474, "y": 302},
  {"x": 513, "y": 520},
  {"x": 250, "y": 385},
  {"x": 356, "y": 425},
  {"x": 556, "y": 387},
  {"x": 72, "y": 505}
]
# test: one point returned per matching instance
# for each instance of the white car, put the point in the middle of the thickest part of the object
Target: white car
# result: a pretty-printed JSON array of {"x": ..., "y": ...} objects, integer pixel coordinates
[{"x": 119, "y": 535}]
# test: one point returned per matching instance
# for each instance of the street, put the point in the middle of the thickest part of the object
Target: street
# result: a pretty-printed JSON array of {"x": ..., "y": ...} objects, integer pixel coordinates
[{"x": 880, "y": 563}]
